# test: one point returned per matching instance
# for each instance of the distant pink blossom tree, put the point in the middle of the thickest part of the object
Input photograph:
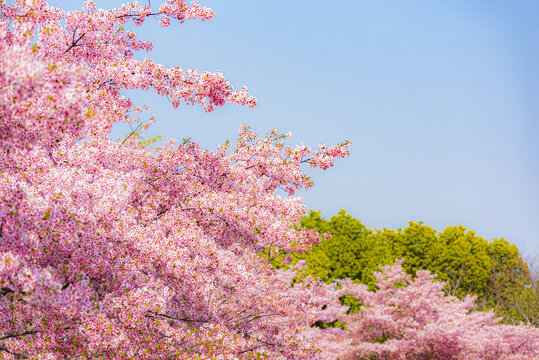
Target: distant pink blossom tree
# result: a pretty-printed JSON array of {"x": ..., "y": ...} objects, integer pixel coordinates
[
  {"x": 113, "y": 250},
  {"x": 414, "y": 319}
]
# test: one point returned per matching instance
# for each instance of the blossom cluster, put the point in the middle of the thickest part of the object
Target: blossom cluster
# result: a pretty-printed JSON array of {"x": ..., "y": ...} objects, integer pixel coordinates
[
  {"x": 412, "y": 319},
  {"x": 111, "y": 249}
]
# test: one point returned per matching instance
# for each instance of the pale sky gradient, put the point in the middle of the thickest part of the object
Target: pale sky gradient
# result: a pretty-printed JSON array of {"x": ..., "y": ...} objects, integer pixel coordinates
[{"x": 439, "y": 100}]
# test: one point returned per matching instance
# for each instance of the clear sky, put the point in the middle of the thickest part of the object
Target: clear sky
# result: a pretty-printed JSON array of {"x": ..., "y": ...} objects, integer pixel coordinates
[{"x": 439, "y": 99}]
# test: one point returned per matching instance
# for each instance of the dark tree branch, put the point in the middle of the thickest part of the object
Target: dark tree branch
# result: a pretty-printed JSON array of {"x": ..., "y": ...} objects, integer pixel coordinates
[
  {"x": 17, "y": 335},
  {"x": 75, "y": 42}
]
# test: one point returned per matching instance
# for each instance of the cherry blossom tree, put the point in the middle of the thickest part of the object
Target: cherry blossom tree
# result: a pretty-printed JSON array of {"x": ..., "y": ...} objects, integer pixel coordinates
[
  {"x": 414, "y": 319},
  {"x": 110, "y": 249}
]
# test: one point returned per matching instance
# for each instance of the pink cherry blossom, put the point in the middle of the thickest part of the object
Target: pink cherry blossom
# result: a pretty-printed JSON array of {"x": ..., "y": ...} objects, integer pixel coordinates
[
  {"x": 110, "y": 249},
  {"x": 409, "y": 318}
]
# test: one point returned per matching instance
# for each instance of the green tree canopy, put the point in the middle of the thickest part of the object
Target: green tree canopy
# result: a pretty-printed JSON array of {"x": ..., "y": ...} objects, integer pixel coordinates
[
  {"x": 470, "y": 265},
  {"x": 350, "y": 252}
]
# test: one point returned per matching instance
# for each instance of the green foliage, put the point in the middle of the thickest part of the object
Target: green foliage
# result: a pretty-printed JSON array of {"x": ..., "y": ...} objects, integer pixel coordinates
[
  {"x": 350, "y": 252},
  {"x": 470, "y": 265},
  {"x": 509, "y": 283},
  {"x": 150, "y": 142},
  {"x": 416, "y": 244},
  {"x": 457, "y": 256},
  {"x": 463, "y": 261}
]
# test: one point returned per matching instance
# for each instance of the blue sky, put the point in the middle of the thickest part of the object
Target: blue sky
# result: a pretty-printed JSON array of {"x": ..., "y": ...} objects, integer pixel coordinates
[{"x": 439, "y": 100}]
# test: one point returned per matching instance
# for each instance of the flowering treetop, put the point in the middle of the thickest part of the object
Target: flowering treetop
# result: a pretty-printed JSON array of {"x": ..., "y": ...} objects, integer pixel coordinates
[
  {"x": 413, "y": 319},
  {"x": 81, "y": 60},
  {"x": 111, "y": 249}
]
